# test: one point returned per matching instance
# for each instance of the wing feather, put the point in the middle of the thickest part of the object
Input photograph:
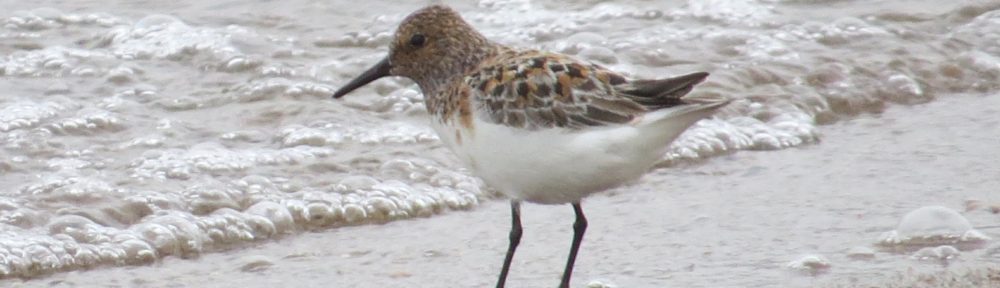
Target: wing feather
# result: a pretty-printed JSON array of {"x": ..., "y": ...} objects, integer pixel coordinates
[{"x": 536, "y": 90}]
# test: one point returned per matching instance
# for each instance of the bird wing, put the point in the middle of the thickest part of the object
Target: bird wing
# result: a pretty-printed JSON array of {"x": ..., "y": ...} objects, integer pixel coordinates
[{"x": 535, "y": 90}]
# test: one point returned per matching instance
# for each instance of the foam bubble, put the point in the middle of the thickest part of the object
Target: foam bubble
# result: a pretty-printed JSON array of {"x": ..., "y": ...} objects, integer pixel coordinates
[
  {"x": 600, "y": 284},
  {"x": 861, "y": 253},
  {"x": 810, "y": 264},
  {"x": 939, "y": 253},
  {"x": 933, "y": 226}
]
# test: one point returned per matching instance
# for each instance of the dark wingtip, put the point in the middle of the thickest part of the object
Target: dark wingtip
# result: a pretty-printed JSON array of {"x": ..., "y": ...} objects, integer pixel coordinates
[{"x": 664, "y": 92}]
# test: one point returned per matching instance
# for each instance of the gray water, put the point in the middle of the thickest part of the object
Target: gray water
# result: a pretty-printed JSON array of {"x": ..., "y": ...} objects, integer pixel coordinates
[{"x": 136, "y": 131}]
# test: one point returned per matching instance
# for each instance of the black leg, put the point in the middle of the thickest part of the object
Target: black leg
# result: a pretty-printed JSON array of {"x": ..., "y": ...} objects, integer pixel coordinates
[
  {"x": 515, "y": 238},
  {"x": 579, "y": 227}
]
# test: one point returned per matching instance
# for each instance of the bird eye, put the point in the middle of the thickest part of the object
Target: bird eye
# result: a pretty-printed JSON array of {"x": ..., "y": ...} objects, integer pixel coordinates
[{"x": 418, "y": 40}]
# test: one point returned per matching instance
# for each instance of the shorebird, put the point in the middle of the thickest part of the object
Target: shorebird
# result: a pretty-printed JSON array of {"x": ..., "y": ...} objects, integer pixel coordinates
[{"x": 537, "y": 126}]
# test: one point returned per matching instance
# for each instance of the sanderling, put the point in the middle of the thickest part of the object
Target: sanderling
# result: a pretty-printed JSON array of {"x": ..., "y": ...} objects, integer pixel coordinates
[{"x": 537, "y": 126}]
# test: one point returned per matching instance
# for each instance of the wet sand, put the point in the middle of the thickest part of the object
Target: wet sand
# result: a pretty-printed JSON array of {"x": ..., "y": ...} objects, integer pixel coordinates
[{"x": 732, "y": 221}]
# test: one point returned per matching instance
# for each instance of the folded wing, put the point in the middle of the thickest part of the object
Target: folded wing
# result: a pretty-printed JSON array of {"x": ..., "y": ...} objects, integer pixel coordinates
[{"x": 541, "y": 91}]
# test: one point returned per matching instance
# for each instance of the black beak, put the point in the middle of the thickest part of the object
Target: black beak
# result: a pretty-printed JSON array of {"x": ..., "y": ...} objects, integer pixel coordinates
[{"x": 378, "y": 71}]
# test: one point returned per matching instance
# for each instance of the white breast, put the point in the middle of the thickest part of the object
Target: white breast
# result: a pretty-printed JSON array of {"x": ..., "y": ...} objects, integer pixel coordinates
[{"x": 555, "y": 166}]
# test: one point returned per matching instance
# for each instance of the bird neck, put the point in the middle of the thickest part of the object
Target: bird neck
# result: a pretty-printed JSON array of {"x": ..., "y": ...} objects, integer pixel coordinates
[{"x": 459, "y": 60}]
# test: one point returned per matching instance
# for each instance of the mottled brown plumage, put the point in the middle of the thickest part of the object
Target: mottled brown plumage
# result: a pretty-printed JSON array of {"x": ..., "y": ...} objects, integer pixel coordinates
[{"x": 539, "y": 90}]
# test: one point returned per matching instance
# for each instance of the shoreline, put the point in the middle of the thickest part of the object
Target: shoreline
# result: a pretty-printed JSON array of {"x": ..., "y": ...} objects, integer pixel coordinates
[{"x": 664, "y": 230}]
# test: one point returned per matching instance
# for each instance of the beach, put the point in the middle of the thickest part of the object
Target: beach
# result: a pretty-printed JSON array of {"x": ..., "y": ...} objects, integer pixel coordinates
[{"x": 189, "y": 144}]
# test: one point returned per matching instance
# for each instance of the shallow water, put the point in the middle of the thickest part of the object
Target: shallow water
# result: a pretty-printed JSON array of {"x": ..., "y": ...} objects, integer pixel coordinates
[{"x": 133, "y": 132}]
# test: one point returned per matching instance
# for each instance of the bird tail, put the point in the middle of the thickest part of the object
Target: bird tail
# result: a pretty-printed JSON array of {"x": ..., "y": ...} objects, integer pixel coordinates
[{"x": 667, "y": 124}]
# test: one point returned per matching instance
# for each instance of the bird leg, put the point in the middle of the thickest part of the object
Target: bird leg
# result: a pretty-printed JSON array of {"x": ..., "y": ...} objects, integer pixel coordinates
[
  {"x": 579, "y": 227},
  {"x": 515, "y": 238}
]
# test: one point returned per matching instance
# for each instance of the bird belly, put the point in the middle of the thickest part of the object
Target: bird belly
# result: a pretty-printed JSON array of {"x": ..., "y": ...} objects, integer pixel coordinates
[{"x": 550, "y": 166}]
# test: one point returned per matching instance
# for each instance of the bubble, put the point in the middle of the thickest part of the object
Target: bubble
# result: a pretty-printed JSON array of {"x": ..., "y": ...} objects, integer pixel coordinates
[
  {"x": 933, "y": 226},
  {"x": 940, "y": 253},
  {"x": 239, "y": 63},
  {"x": 64, "y": 223},
  {"x": 86, "y": 256},
  {"x": 599, "y": 284},
  {"x": 161, "y": 238},
  {"x": 354, "y": 213},
  {"x": 274, "y": 213},
  {"x": 904, "y": 89},
  {"x": 810, "y": 264},
  {"x": 382, "y": 209},
  {"x": 321, "y": 214},
  {"x": 861, "y": 253},
  {"x": 138, "y": 252}
]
